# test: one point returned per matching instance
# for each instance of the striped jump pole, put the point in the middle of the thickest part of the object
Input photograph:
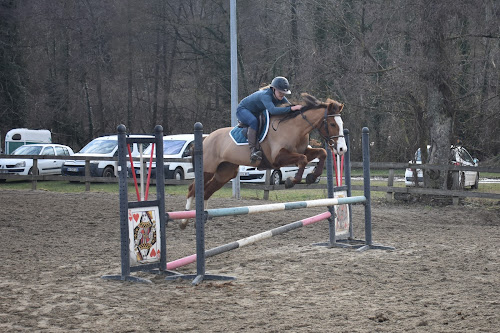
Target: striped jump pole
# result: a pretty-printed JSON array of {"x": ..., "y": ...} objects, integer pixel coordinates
[
  {"x": 245, "y": 210},
  {"x": 248, "y": 240}
]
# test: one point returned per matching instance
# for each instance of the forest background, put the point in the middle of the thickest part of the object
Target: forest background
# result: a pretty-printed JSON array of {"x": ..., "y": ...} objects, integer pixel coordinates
[{"x": 415, "y": 72}]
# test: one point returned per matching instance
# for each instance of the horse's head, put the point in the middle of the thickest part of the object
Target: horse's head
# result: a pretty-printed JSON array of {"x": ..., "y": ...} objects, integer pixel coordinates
[{"x": 332, "y": 127}]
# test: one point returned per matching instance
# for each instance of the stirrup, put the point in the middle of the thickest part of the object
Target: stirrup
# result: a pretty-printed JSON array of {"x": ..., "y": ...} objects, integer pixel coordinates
[{"x": 255, "y": 156}]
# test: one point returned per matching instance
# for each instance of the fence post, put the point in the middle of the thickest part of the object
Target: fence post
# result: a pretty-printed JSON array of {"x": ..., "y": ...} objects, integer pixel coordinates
[
  {"x": 34, "y": 174},
  {"x": 390, "y": 183},
  {"x": 87, "y": 175}
]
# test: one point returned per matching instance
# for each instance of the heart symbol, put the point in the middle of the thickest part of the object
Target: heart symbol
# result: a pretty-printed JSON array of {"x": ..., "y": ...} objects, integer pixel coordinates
[
  {"x": 129, "y": 216},
  {"x": 136, "y": 217},
  {"x": 153, "y": 253}
]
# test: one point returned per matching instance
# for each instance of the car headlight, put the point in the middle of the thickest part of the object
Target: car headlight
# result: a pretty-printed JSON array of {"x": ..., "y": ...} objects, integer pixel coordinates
[{"x": 20, "y": 164}]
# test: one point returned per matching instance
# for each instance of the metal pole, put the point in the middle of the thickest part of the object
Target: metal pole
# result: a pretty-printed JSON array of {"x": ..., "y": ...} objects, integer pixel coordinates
[
  {"x": 366, "y": 185},
  {"x": 122, "y": 175},
  {"x": 200, "y": 210},
  {"x": 160, "y": 194},
  {"x": 234, "y": 81}
]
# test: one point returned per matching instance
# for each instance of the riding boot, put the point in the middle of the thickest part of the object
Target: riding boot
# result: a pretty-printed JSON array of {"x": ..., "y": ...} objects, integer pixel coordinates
[{"x": 255, "y": 153}]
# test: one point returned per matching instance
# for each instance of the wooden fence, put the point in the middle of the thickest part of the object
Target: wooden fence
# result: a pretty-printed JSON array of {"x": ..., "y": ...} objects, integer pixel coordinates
[{"x": 390, "y": 190}]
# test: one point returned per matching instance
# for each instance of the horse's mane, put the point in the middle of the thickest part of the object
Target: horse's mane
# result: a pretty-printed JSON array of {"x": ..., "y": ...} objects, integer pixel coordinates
[{"x": 309, "y": 102}]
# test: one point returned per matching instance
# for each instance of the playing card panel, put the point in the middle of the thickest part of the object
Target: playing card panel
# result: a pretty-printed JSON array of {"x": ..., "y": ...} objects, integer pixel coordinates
[
  {"x": 342, "y": 217},
  {"x": 144, "y": 235}
]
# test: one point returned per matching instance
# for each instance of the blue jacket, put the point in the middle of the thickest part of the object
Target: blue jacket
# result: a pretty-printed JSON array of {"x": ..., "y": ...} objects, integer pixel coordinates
[{"x": 262, "y": 100}]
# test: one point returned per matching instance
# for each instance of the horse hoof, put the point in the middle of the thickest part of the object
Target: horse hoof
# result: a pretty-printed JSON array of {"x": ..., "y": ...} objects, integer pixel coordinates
[
  {"x": 310, "y": 179},
  {"x": 183, "y": 225},
  {"x": 289, "y": 182}
]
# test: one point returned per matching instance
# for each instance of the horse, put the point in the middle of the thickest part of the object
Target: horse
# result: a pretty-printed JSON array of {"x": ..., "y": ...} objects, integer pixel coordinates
[{"x": 287, "y": 143}]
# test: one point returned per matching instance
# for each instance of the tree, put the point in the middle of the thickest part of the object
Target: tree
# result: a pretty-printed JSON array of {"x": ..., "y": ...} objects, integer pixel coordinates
[{"x": 12, "y": 72}]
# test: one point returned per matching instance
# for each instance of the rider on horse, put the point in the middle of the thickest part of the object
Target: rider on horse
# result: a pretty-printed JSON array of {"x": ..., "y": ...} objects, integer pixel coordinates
[{"x": 251, "y": 107}]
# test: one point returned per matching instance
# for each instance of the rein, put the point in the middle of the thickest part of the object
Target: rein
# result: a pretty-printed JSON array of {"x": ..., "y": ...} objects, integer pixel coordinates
[{"x": 326, "y": 137}]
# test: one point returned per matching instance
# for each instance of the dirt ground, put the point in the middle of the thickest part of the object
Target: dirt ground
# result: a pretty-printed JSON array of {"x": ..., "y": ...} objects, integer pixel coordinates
[{"x": 444, "y": 275}]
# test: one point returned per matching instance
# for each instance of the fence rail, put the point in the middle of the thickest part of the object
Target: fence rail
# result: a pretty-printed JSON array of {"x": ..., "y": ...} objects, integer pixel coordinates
[{"x": 390, "y": 189}]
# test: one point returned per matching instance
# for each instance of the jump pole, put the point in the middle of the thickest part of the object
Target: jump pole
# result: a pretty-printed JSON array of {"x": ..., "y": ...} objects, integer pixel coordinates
[{"x": 249, "y": 240}]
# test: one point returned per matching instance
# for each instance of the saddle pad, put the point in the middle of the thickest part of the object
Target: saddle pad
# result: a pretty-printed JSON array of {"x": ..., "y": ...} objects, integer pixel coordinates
[{"x": 237, "y": 133}]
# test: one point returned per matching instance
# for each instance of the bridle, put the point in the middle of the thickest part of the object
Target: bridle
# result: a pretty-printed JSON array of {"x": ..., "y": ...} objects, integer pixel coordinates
[{"x": 326, "y": 137}]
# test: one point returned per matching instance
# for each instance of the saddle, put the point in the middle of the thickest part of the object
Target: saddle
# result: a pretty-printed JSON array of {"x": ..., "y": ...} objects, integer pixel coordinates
[{"x": 239, "y": 132}]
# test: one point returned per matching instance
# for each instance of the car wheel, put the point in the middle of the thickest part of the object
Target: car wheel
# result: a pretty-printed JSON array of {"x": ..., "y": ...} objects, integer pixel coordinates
[
  {"x": 31, "y": 172},
  {"x": 108, "y": 172},
  {"x": 178, "y": 174},
  {"x": 275, "y": 178},
  {"x": 476, "y": 183}
]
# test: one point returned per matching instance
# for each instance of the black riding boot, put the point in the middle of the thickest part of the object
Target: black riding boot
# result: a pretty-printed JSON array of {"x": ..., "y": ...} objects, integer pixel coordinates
[{"x": 255, "y": 153}]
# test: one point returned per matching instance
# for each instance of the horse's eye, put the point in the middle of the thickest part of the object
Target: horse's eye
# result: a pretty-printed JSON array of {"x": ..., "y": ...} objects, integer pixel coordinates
[{"x": 333, "y": 124}]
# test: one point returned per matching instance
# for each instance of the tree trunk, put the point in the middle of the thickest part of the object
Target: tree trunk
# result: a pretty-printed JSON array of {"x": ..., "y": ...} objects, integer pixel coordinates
[{"x": 436, "y": 77}]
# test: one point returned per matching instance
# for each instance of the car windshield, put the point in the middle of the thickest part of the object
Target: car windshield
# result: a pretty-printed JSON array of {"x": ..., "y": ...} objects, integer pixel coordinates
[
  {"x": 99, "y": 147},
  {"x": 464, "y": 155},
  {"x": 170, "y": 147},
  {"x": 28, "y": 150}
]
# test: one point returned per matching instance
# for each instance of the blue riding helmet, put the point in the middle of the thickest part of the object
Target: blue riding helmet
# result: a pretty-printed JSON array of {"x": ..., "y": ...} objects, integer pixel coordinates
[{"x": 281, "y": 83}]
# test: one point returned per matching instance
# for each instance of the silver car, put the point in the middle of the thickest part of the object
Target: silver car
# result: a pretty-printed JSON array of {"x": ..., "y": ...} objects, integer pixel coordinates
[{"x": 459, "y": 156}]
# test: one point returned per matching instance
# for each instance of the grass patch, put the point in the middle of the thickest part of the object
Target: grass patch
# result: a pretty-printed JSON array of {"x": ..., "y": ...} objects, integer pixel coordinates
[{"x": 182, "y": 190}]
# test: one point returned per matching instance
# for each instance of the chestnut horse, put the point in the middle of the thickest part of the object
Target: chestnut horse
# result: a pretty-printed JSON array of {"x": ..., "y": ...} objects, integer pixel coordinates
[{"x": 285, "y": 144}]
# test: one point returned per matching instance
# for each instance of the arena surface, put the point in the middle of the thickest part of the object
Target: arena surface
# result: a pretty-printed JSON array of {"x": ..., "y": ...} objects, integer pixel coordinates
[{"x": 444, "y": 275}]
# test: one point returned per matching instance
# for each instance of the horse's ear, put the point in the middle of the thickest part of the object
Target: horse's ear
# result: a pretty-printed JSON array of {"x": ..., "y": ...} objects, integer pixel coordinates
[
  {"x": 331, "y": 106},
  {"x": 341, "y": 107}
]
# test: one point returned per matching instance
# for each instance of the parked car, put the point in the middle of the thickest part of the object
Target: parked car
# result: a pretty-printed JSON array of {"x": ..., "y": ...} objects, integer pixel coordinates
[
  {"x": 249, "y": 174},
  {"x": 24, "y": 166},
  {"x": 458, "y": 156},
  {"x": 104, "y": 146},
  {"x": 174, "y": 146}
]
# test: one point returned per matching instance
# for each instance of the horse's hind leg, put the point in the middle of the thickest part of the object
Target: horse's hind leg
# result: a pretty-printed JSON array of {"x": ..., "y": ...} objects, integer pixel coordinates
[
  {"x": 225, "y": 172},
  {"x": 212, "y": 183}
]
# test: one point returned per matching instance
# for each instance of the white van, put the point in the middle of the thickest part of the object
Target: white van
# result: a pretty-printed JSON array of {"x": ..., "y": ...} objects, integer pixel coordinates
[
  {"x": 18, "y": 137},
  {"x": 104, "y": 146},
  {"x": 174, "y": 146}
]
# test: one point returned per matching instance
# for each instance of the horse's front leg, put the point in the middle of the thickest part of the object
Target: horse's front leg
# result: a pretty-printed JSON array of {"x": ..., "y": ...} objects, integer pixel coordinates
[
  {"x": 311, "y": 154},
  {"x": 285, "y": 158}
]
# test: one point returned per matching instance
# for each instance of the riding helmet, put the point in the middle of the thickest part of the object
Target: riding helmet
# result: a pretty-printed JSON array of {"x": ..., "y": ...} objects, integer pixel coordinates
[{"x": 281, "y": 83}]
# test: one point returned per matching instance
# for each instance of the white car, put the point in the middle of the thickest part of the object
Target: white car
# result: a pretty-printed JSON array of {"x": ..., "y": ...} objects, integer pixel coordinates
[
  {"x": 459, "y": 156},
  {"x": 23, "y": 166},
  {"x": 174, "y": 146},
  {"x": 104, "y": 146},
  {"x": 250, "y": 174}
]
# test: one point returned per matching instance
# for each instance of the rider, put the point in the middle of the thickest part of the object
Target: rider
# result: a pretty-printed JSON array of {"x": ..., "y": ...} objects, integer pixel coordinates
[{"x": 252, "y": 106}]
